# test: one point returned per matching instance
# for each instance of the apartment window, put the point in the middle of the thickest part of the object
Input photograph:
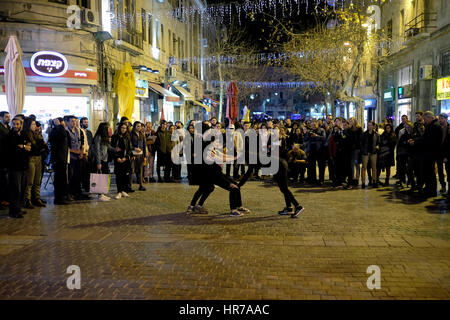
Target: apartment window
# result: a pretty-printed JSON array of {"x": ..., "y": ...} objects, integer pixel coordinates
[
  {"x": 170, "y": 43},
  {"x": 446, "y": 63},
  {"x": 144, "y": 25},
  {"x": 150, "y": 29},
  {"x": 83, "y": 3},
  {"x": 405, "y": 76},
  {"x": 158, "y": 34},
  {"x": 402, "y": 24},
  {"x": 180, "y": 53},
  {"x": 174, "y": 44},
  {"x": 58, "y": 1},
  {"x": 389, "y": 30},
  {"x": 162, "y": 38}
]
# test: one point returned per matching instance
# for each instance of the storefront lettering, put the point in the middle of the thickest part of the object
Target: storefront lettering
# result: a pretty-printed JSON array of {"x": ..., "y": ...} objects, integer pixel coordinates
[
  {"x": 49, "y": 64},
  {"x": 443, "y": 89}
]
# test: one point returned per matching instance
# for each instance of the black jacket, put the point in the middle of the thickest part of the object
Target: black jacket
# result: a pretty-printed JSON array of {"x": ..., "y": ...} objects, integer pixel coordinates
[
  {"x": 59, "y": 145},
  {"x": 4, "y": 131},
  {"x": 365, "y": 142},
  {"x": 431, "y": 141},
  {"x": 18, "y": 158}
]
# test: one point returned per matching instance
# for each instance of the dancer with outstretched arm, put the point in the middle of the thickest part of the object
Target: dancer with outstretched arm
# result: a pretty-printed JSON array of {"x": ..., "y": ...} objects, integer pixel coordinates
[{"x": 207, "y": 175}]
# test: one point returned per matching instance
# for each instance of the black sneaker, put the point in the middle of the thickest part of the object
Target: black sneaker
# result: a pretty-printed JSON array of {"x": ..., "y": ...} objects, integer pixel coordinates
[
  {"x": 141, "y": 188},
  {"x": 363, "y": 185},
  {"x": 286, "y": 211},
  {"x": 130, "y": 191},
  {"x": 16, "y": 215},
  {"x": 298, "y": 210}
]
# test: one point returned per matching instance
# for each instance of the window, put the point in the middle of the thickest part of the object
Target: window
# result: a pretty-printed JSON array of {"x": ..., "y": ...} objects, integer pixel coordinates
[
  {"x": 150, "y": 29},
  {"x": 402, "y": 24},
  {"x": 58, "y": 1},
  {"x": 170, "y": 43},
  {"x": 83, "y": 3},
  {"x": 144, "y": 24},
  {"x": 174, "y": 45},
  {"x": 389, "y": 30},
  {"x": 405, "y": 76},
  {"x": 446, "y": 63},
  {"x": 158, "y": 34},
  {"x": 162, "y": 38}
]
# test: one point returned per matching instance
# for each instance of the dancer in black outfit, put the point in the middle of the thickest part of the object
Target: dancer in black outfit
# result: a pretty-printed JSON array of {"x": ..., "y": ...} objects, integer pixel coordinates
[{"x": 208, "y": 175}]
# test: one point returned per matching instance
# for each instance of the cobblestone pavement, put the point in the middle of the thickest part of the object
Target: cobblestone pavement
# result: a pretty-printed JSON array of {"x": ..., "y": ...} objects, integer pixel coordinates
[{"x": 146, "y": 247}]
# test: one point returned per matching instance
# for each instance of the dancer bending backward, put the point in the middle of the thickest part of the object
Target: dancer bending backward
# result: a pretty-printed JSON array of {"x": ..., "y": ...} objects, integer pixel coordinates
[{"x": 208, "y": 174}]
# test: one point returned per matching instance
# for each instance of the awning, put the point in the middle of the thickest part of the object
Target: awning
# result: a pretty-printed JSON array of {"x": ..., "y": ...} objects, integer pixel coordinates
[
  {"x": 204, "y": 106},
  {"x": 171, "y": 97},
  {"x": 186, "y": 95}
]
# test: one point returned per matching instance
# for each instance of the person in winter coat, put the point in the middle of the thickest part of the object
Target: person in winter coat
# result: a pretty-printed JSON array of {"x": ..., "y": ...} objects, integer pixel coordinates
[
  {"x": 370, "y": 141},
  {"x": 388, "y": 140},
  {"x": 120, "y": 141}
]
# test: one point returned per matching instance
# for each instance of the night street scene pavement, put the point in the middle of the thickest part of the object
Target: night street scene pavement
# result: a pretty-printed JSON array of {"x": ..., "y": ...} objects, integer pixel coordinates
[
  {"x": 147, "y": 247},
  {"x": 210, "y": 151}
]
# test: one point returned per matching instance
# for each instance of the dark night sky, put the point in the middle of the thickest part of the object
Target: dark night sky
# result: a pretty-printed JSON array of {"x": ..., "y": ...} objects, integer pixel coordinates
[{"x": 260, "y": 29}]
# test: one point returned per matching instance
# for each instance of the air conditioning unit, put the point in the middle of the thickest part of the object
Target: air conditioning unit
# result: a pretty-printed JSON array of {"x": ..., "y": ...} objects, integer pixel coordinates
[
  {"x": 172, "y": 71},
  {"x": 426, "y": 72},
  {"x": 90, "y": 18}
]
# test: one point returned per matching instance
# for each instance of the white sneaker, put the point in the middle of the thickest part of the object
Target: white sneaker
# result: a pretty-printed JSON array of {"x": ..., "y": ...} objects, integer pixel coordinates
[
  {"x": 118, "y": 196},
  {"x": 125, "y": 195},
  {"x": 102, "y": 197}
]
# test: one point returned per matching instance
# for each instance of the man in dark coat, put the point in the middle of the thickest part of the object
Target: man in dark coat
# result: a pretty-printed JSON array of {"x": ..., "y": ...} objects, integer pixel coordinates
[
  {"x": 430, "y": 142},
  {"x": 18, "y": 158},
  {"x": 59, "y": 157},
  {"x": 4, "y": 131}
]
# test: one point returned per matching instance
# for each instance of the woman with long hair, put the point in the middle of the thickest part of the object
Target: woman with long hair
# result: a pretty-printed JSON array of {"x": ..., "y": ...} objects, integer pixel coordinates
[
  {"x": 34, "y": 172},
  {"x": 388, "y": 140},
  {"x": 122, "y": 159},
  {"x": 101, "y": 148},
  {"x": 370, "y": 141}
]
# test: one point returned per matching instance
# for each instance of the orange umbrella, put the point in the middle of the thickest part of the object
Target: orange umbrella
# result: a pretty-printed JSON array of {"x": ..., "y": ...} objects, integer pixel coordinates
[{"x": 232, "y": 109}]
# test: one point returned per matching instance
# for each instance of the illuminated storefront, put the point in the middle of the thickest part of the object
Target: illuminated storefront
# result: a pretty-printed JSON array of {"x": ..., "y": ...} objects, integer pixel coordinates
[
  {"x": 443, "y": 94},
  {"x": 56, "y": 86}
]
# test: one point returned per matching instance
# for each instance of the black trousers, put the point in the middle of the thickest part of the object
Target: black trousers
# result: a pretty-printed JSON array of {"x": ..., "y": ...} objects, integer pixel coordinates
[
  {"x": 441, "y": 167},
  {"x": 429, "y": 175},
  {"x": 17, "y": 185},
  {"x": 282, "y": 180},
  {"x": 3, "y": 184},
  {"x": 61, "y": 181},
  {"x": 418, "y": 163},
  {"x": 222, "y": 181},
  {"x": 85, "y": 174},
  {"x": 402, "y": 163},
  {"x": 296, "y": 169},
  {"x": 203, "y": 192},
  {"x": 122, "y": 171},
  {"x": 344, "y": 167},
  {"x": 319, "y": 158},
  {"x": 75, "y": 177}
]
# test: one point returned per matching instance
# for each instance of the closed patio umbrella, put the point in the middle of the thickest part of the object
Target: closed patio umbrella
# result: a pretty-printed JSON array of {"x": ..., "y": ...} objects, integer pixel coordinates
[
  {"x": 232, "y": 109},
  {"x": 126, "y": 89},
  {"x": 15, "y": 77}
]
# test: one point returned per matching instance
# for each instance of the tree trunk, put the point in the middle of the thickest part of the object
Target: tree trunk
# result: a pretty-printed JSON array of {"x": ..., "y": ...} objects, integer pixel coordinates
[{"x": 220, "y": 93}]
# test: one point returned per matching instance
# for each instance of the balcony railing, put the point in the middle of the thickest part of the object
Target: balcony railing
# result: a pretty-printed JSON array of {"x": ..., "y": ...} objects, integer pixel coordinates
[
  {"x": 423, "y": 23},
  {"x": 134, "y": 38}
]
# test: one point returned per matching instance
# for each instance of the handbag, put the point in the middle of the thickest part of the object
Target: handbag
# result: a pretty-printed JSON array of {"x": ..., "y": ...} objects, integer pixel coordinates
[{"x": 99, "y": 183}]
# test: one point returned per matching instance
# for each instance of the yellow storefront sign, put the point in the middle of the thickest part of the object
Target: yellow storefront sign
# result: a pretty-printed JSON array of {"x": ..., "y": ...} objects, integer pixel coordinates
[{"x": 443, "y": 89}]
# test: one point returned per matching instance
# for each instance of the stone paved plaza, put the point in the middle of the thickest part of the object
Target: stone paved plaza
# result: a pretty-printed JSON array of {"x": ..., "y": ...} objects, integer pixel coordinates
[{"x": 146, "y": 247}]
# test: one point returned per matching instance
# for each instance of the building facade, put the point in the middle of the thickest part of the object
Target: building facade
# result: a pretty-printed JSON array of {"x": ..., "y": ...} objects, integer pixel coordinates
[
  {"x": 416, "y": 76},
  {"x": 161, "y": 39}
]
